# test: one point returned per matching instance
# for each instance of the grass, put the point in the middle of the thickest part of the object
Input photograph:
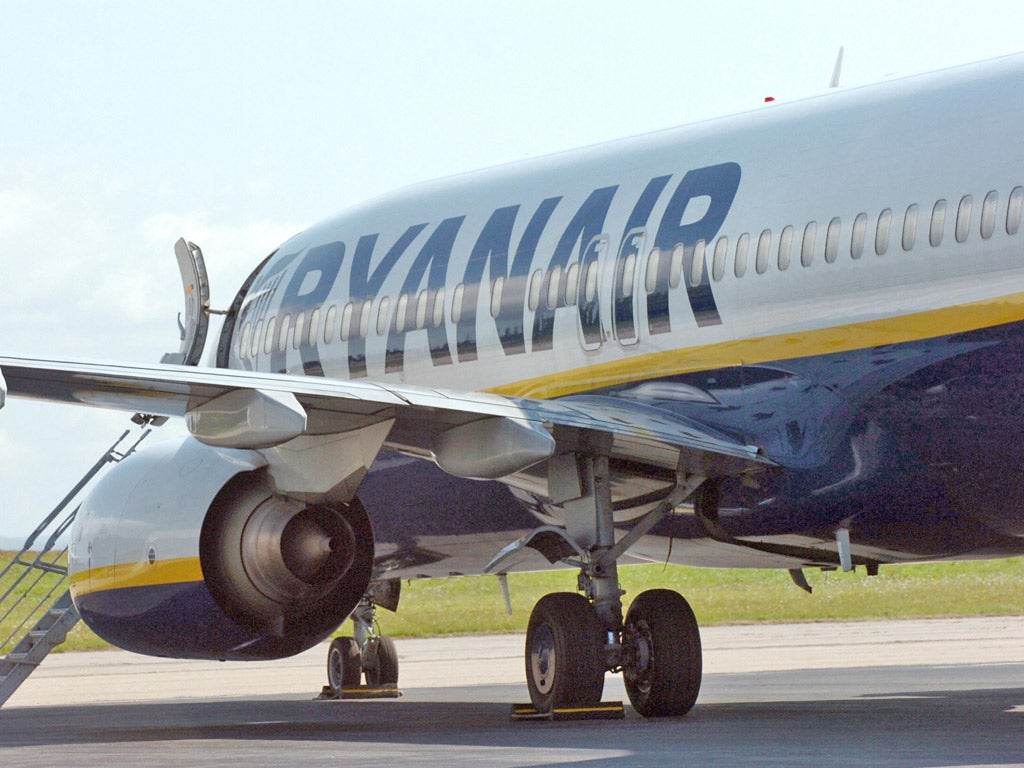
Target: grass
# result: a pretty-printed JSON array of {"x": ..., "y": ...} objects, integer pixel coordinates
[{"x": 476, "y": 605}]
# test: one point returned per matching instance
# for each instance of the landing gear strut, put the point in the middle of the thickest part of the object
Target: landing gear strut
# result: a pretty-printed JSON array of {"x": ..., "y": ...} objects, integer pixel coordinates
[
  {"x": 572, "y": 639},
  {"x": 368, "y": 654}
]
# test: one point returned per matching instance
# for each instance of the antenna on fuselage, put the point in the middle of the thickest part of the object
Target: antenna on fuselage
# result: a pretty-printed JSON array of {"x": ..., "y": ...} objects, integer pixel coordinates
[{"x": 837, "y": 69}]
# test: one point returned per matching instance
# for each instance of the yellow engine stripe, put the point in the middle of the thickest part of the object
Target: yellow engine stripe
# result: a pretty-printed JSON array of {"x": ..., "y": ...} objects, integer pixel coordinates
[
  {"x": 125, "y": 575},
  {"x": 843, "y": 338}
]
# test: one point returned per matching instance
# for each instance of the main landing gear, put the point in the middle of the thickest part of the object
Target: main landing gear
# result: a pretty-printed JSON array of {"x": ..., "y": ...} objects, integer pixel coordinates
[
  {"x": 367, "y": 655},
  {"x": 573, "y": 639}
]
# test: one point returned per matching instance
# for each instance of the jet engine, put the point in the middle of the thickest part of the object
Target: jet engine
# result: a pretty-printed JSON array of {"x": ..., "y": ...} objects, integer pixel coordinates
[{"x": 187, "y": 551}]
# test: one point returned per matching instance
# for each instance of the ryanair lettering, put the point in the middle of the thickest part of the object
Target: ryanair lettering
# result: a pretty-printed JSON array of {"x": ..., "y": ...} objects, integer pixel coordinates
[{"x": 290, "y": 296}]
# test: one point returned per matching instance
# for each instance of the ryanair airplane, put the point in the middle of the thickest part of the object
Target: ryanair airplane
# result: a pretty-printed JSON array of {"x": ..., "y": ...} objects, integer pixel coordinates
[{"x": 785, "y": 339}]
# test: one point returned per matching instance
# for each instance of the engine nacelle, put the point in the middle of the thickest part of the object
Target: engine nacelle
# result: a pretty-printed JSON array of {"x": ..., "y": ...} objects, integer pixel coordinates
[{"x": 185, "y": 550}]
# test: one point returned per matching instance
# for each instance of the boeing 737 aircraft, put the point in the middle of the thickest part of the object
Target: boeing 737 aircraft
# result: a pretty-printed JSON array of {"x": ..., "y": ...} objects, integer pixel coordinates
[{"x": 785, "y": 339}]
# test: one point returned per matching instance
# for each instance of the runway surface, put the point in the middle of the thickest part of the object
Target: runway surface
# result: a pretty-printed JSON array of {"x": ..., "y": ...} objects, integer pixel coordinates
[{"x": 901, "y": 693}]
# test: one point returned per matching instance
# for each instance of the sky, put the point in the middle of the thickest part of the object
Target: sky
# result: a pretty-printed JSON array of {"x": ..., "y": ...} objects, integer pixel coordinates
[{"x": 126, "y": 125}]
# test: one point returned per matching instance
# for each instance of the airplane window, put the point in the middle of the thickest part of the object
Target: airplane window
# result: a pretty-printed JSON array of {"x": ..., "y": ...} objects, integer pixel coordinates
[
  {"x": 268, "y": 340},
  {"x": 628, "y": 275},
  {"x": 860, "y": 228},
  {"x": 572, "y": 283},
  {"x": 364, "y": 319},
  {"x": 346, "y": 322},
  {"x": 651, "y": 273},
  {"x": 458, "y": 297},
  {"x": 555, "y": 284},
  {"x": 832, "y": 240},
  {"x": 807, "y": 245},
  {"x": 438, "y": 317},
  {"x": 785, "y": 245},
  {"x": 697, "y": 264},
  {"x": 988, "y": 214},
  {"x": 742, "y": 246},
  {"x": 497, "y": 285},
  {"x": 243, "y": 341},
  {"x": 675, "y": 267},
  {"x": 257, "y": 337},
  {"x": 329, "y": 320},
  {"x": 963, "y": 218},
  {"x": 314, "y": 326},
  {"x": 382, "y": 315},
  {"x": 909, "y": 228},
  {"x": 718, "y": 265},
  {"x": 764, "y": 246},
  {"x": 938, "y": 224},
  {"x": 401, "y": 308},
  {"x": 536, "y": 284},
  {"x": 282, "y": 333},
  {"x": 1013, "y": 210},
  {"x": 421, "y": 308},
  {"x": 882, "y": 232},
  {"x": 300, "y": 326},
  {"x": 590, "y": 283}
]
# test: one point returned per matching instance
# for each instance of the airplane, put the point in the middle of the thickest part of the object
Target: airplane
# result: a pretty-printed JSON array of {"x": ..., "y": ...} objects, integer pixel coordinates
[{"x": 789, "y": 338}]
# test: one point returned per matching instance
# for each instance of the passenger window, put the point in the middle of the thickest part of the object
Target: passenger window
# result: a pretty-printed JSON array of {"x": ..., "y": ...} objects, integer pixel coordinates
[
  {"x": 364, "y": 319},
  {"x": 438, "y": 317},
  {"x": 675, "y": 267},
  {"x": 832, "y": 240},
  {"x": 458, "y": 296},
  {"x": 651, "y": 273},
  {"x": 963, "y": 218},
  {"x": 257, "y": 337},
  {"x": 496, "y": 288},
  {"x": 243, "y": 341},
  {"x": 628, "y": 275},
  {"x": 718, "y": 266},
  {"x": 422, "y": 300},
  {"x": 807, "y": 244},
  {"x": 909, "y": 228},
  {"x": 300, "y": 327},
  {"x": 282, "y": 333},
  {"x": 697, "y": 264},
  {"x": 314, "y": 326},
  {"x": 882, "y": 232},
  {"x": 858, "y": 235},
  {"x": 536, "y": 285},
  {"x": 401, "y": 309},
  {"x": 1013, "y": 210},
  {"x": 346, "y": 322},
  {"x": 785, "y": 245},
  {"x": 554, "y": 286},
  {"x": 590, "y": 283},
  {"x": 382, "y": 315},
  {"x": 271, "y": 334},
  {"x": 742, "y": 246},
  {"x": 988, "y": 214},
  {"x": 329, "y": 320},
  {"x": 764, "y": 247},
  {"x": 938, "y": 224},
  {"x": 572, "y": 284}
]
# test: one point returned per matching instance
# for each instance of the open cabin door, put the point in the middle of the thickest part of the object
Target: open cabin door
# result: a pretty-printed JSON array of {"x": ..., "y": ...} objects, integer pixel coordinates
[{"x": 194, "y": 323}]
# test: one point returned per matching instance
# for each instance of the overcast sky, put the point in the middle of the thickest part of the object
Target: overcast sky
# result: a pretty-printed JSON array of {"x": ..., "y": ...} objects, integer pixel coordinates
[{"x": 126, "y": 125}]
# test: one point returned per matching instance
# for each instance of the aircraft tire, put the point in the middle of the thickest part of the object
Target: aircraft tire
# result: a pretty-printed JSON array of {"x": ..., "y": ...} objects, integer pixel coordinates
[
  {"x": 564, "y": 653},
  {"x": 343, "y": 664},
  {"x": 385, "y": 668},
  {"x": 662, "y": 641}
]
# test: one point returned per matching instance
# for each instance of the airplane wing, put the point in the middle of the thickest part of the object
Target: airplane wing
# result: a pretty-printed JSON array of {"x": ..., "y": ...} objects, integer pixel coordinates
[{"x": 469, "y": 434}]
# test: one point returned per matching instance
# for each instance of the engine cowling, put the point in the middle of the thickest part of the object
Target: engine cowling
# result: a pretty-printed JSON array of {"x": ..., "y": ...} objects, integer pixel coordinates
[{"x": 185, "y": 550}]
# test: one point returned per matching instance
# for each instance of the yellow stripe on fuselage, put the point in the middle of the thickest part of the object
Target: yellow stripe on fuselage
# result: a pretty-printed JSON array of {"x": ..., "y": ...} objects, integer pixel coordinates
[
  {"x": 124, "y": 576},
  {"x": 752, "y": 351}
]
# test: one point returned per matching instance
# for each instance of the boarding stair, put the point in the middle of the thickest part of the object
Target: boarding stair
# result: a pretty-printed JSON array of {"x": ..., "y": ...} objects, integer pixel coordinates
[{"x": 36, "y": 612}]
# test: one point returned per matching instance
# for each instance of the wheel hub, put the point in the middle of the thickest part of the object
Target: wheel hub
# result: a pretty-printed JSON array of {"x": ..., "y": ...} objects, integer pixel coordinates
[{"x": 542, "y": 659}]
